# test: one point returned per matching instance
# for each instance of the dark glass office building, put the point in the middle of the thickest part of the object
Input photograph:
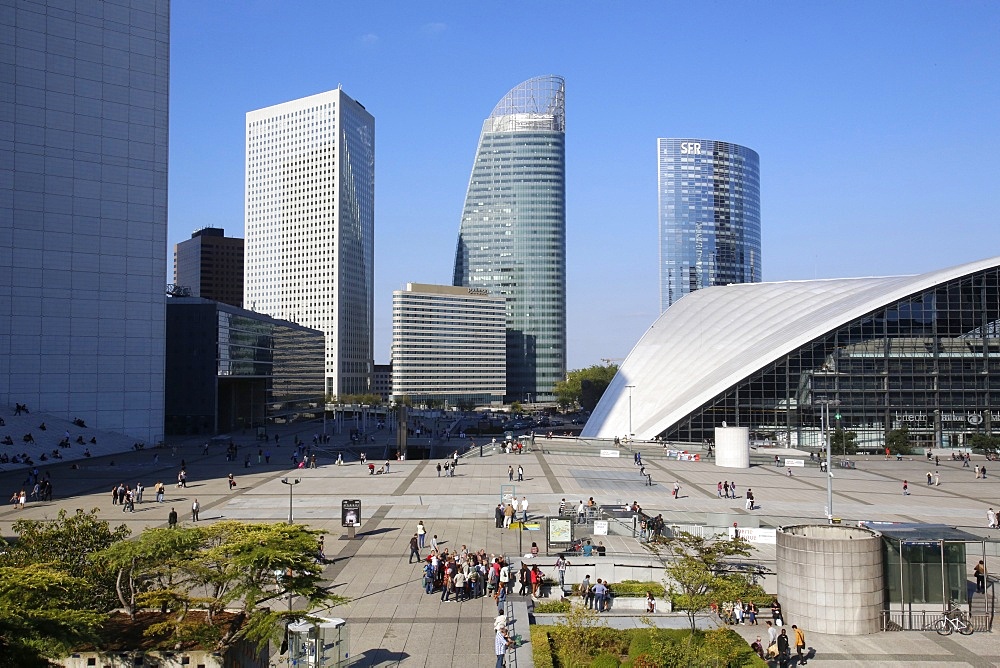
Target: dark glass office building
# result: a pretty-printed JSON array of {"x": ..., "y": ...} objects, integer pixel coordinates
[
  {"x": 876, "y": 355},
  {"x": 512, "y": 240},
  {"x": 709, "y": 211},
  {"x": 229, "y": 369}
]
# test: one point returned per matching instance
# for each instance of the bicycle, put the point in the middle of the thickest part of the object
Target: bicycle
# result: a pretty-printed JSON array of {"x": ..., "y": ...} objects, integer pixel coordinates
[{"x": 951, "y": 621}]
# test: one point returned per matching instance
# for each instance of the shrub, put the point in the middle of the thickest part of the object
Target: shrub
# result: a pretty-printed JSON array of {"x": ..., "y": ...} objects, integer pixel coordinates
[
  {"x": 605, "y": 661},
  {"x": 552, "y": 607},
  {"x": 541, "y": 646}
]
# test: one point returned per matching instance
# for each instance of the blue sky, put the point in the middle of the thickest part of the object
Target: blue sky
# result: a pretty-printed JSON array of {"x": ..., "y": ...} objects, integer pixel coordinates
[{"x": 876, "y": 124}]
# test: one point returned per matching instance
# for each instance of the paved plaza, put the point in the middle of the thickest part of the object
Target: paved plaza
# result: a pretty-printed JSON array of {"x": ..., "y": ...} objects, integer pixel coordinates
[{"x": 391, "y": 620}]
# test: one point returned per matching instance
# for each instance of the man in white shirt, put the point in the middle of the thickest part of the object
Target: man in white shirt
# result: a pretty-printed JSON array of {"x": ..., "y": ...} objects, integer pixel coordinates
[
  {"x": 524, "y": 509},
  {"x": 991, "y": 517}
]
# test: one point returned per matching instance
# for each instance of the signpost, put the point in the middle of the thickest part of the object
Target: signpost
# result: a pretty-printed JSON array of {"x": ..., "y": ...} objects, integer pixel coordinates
[{"x": 350, "y": 516}]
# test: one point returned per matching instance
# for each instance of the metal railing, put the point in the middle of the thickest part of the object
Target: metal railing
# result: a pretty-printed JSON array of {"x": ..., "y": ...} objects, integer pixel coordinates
[{"x": 923, "y": 620}]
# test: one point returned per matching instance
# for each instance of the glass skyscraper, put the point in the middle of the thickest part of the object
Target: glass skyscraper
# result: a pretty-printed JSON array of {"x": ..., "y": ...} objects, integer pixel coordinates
[
  {"x": 512, "y": 240},
  {"x": 83, "y": 210},
  {"x": 709, "y": 211},
  {"x": 310, "y": 226}
]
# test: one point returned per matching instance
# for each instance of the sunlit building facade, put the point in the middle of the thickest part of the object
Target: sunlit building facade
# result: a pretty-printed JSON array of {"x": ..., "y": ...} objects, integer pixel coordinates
[
  {"x": 512, "y": 240},
  {"x": 310, "y": 226},
  {"x": 84, "y": 103},
  {"x": 867, "y": 355},
  {"x": 709, "y": 215},
  {"x": 448, "y": 345}
]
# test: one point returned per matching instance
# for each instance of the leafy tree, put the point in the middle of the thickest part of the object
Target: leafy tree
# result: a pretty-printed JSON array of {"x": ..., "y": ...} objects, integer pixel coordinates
[
  {"x": 585, "y": 387},
  {"x": 42, "y": 615},
  {"x": 844, "y": 442},
  {"x": 898, "y": 441},
  {"x": 516, "y": 407},
  {"x": 68, "y": 542},
  {"x": 699, "y": 575},
  {"x": 988, "y": 443}
]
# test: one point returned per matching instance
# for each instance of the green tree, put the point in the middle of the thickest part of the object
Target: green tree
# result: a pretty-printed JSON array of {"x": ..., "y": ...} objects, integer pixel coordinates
[
  {"x": 584, "y": 387},
  {"x": 699, "y": 574},
  {"x": 898, "y": 441},
  {"x": 987, "y": 443},
  {"x": 68, "y": 543},
  {"x": 843, "y": 442},
  {"x": 43, "y": 615},
  {"x": 516, "y": 407}
]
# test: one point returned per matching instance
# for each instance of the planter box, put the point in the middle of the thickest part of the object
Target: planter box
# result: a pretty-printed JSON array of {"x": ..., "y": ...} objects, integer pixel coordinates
[{"x": 630, "y": 604}]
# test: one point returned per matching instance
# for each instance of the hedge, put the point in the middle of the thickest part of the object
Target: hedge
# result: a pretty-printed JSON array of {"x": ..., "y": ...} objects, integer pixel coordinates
[{"x": 632, "y": 589}]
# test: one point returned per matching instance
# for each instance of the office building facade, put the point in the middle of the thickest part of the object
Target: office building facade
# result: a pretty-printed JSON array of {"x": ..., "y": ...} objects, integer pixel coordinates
[
  {"x": 210, "y": 265},
  {"x": 448, "y": 344},
  {"x": 232, "y": 370},
  {"x": 310, "y": 225},
  {"x": 83, "y": 210},
  {"x": 512, "y": 239},
  {"x": 709, "y": 215}
]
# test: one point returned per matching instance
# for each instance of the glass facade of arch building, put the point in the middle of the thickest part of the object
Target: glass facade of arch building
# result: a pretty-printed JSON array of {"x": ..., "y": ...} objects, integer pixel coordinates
[
  {"x": 929, "y": 363},
  {"x": 878, "y": 355},
  {"x": 709, "y": 215},
  {"x": 512, "y": 240}
]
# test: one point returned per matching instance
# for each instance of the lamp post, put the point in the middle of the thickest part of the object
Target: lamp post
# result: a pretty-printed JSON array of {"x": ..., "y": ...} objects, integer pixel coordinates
[
  {"x": 825, "y": 420},
  {"x": 630, "y": 388},
  {"x": 291, "y": 486}
]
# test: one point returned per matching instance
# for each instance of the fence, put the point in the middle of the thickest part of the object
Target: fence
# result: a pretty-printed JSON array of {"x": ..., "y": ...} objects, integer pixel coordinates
[{"x": 922, "y": 620}]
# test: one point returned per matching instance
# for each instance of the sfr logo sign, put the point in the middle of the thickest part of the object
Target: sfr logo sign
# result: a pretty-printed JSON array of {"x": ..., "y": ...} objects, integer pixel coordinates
[{"x": 692, "y": 148}]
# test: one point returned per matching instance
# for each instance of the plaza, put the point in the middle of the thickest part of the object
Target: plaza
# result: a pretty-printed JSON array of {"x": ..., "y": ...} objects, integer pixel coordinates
[{"x": 390, "y": 619}]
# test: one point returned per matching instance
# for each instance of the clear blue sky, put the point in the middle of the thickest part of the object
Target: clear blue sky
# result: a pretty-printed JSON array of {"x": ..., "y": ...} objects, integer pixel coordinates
[{"x": 877, "y": 125}]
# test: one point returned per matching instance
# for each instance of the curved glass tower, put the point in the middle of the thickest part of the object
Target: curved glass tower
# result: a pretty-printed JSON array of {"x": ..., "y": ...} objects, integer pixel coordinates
[
  {"x": 512, "y": 239},
  {"x": 709, "y": 209}
]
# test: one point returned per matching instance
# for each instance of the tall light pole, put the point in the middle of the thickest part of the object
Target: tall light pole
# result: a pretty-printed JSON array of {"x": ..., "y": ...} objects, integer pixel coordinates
[
  {"x": 291, "y": 485},
  {"x": 825, "y": 420},
  {"x": 630, "y": 388}
]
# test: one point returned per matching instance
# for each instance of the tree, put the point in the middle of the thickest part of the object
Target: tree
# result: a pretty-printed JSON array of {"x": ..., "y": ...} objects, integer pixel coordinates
[
  {"x": 42, "y": 615},
  {"x": 987, "y": 443},
  {"x": 585, "y": 387},
  {"x": 898, "y": 441},
  {"x": 68, "y": 542},
  {"x": 844, "y": 442},
  {"x": 699, "y": 575}
]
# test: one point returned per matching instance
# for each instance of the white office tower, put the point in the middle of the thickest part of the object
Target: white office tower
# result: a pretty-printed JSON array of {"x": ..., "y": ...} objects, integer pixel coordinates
[
  {"x": 310, "y": 224},
  {"x": 83, "y": 210}
]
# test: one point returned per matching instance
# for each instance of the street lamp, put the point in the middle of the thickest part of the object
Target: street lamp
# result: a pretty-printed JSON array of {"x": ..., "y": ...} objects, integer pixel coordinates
[
  {"x": 825, "y": 419},
  {"x": 630, "y": 388},
  {"x": 291, "y": 485}
]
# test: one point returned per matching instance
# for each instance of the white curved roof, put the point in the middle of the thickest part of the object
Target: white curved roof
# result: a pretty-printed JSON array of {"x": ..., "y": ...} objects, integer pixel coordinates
[{"x": 711, "y": 339}]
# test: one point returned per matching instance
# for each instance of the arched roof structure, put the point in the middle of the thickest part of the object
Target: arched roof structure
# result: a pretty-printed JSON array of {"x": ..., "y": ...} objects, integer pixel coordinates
[{"x": 713, "y": 338}]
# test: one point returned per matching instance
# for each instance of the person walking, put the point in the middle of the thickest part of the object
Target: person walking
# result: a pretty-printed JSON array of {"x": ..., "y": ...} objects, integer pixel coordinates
[
  {"x": 677, "y": 490},
  {"x": 937, "y": 478},
  {"x": 414, "y": 550},
  {"x": 520, "y": 473},
  {"x": 784, "y": 651},
  {"x": 560, "y": 566},
  {"x": 980, "y": 572},
  {"x": 172, "y": 519},
  {"x": 508, "y": 515},
  {"x": 498, "y": 515},
  {"x": 524, "y": 509},
  {"x": 159, "y": 491},
  {"x": 720, "y": 489},
  {"x": 195, "y": 507},
  {"x": 501, "y": 643},
  {"x": 800, "y": 644},
  {"x": 991, "y": 518},
  {"x": 906, "y": 488},
  {"x": 510, "y": 473},
  {"x": 421, "y": 533},
  {"x": 749, "y": 503}
]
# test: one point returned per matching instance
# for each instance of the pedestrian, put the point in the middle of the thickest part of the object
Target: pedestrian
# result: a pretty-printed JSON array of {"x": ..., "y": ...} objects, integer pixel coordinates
[
  {"x": 937, "y": 478},
  {"x": 159, "y": 491},
  {"x": 906, "y": 488},
  {"x": 421, "y": 533},
  {"x": 560, "y": 566},
  {"x": 720, "y": 489},
  {"x": 776, "y": 613},
  {"x": 414, "y": 550},
  {"x": 439, "y": 469},
  {"x": 772, "y": 634},
  {"x": 752, "y": 611},
  {"x": 508, "y": 515},
  {"x": 784, "y": 651},
  {"x": 520, "y": 473},
  {"x": 977, "y": 471},
  {"x": 501, "y": 643},
  {"x": 581, "y": 513},
  {"x": 725, "y": 488},
  {"x": 510, "y": 473},
  {"x": 434, "y": 543},
  {"x": 172, "y": 519},
  {"x": 930, "y": 478},
  {"x": 498, "y": 515},
  {"x": 677, "y": 490},
  {"x": 980, "y": 573},
  {"x": 749, "y": 499},
  {"x": 524, "y": 509},
  {"x": 991, "y": 518},
  {"x": 232, "y": 481},
  {"x": 195, "y": 507},
  {"x": 800, "y": 644}
]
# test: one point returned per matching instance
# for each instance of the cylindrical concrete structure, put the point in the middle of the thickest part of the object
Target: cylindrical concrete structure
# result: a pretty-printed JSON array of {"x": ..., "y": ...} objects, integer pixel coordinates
[
  {"x": 830, "y": 578},
  {"x": 732, "y": 447}
]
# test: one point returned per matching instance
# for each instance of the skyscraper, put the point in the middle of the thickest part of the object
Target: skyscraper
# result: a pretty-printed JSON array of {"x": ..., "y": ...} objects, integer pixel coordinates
[
  {"x": 210, "y": 265},
  {"x": 512, "y": 240},
  {"x": 709, "y": 210},
  {"x": 310, "y": 224},
  {"x": 83, "y": 210}
]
